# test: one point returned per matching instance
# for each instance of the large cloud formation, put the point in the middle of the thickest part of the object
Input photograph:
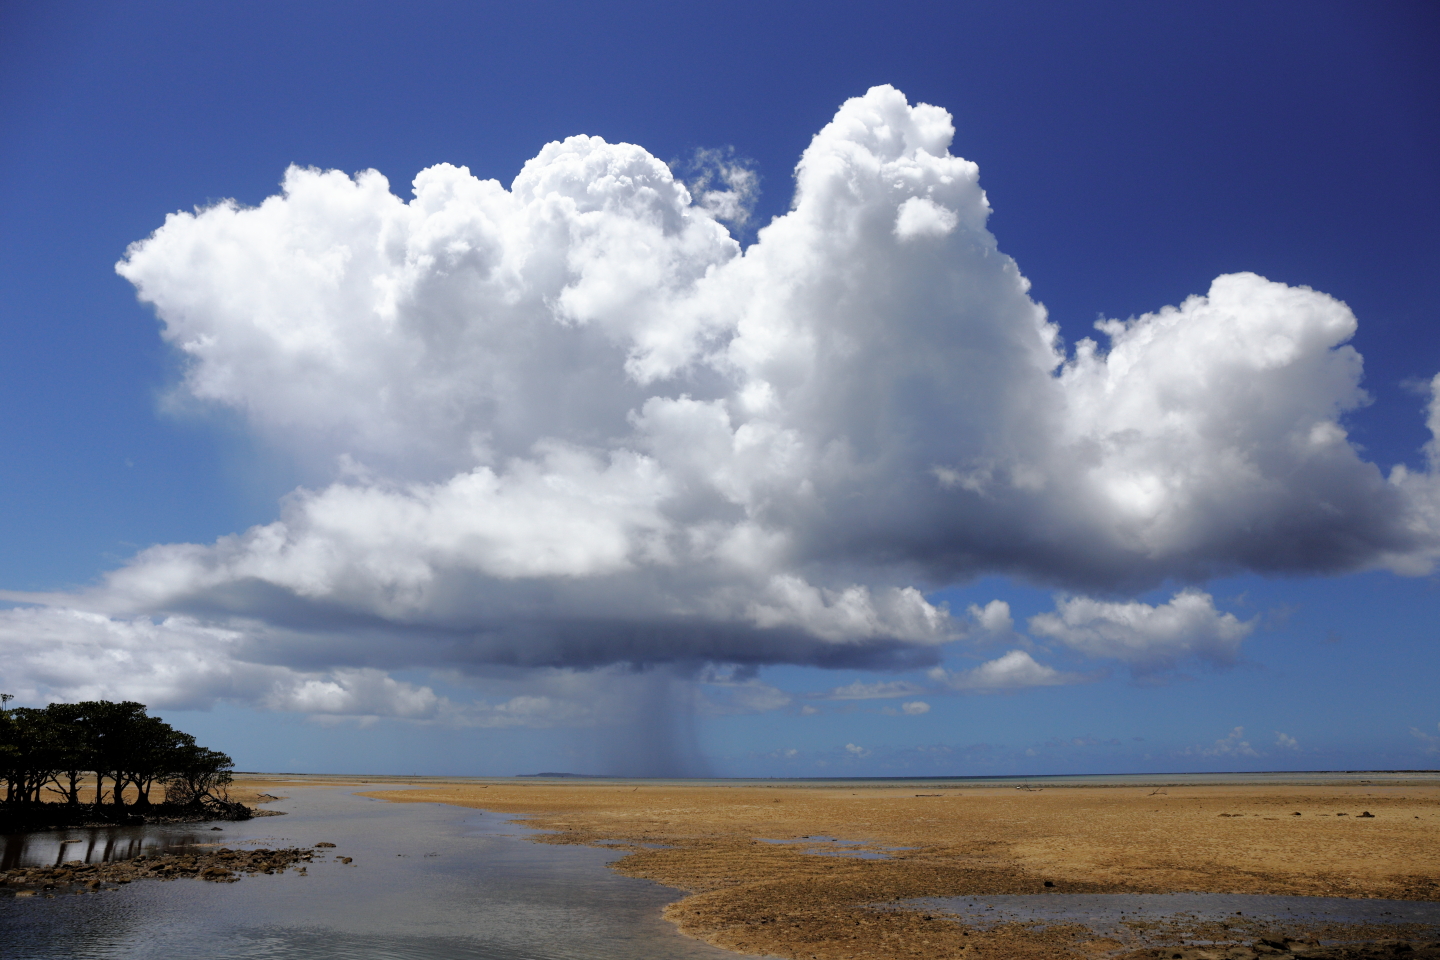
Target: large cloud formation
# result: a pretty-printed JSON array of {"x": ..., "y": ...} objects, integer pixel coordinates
[{"x": 575, "y": 424}]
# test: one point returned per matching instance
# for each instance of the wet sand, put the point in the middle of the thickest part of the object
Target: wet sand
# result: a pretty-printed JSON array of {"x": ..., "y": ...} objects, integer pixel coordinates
[{"x": 758, "y": 897}]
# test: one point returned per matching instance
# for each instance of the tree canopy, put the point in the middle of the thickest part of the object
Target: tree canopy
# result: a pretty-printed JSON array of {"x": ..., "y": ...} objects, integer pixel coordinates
[{"x": 62, "y": 746}]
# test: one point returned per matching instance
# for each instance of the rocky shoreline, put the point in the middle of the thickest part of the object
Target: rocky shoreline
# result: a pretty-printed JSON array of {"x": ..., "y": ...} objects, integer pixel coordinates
[{"x": 222, "y": 865}]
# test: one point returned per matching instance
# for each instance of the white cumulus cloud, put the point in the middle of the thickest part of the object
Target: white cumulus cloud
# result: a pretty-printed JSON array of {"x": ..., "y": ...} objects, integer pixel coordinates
[
  {"x": 1146, "y": 637},
  {"x": 573, "y": 424},
  {"x": 993, "y": 618},
  {"x": 1015, "y": 670}
]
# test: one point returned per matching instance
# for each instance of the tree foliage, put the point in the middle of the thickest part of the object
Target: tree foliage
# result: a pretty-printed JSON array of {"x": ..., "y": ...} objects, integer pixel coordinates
[{"x": 124, "y": 750}]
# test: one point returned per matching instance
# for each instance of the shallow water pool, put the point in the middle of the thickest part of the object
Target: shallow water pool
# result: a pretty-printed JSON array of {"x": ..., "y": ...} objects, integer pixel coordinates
[
  {"x": 426, "y": 882},
  {"x": 1173, "y": 915}
]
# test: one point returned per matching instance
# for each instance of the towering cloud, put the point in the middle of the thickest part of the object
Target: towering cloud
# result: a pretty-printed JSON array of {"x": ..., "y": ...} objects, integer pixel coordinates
[{"x": 573, "y": 423}]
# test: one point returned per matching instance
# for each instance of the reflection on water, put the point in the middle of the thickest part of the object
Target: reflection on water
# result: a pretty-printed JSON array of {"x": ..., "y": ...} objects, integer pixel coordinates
[
  {"x": 426, "y": 882},
  {"x": 97, "y": 844}
]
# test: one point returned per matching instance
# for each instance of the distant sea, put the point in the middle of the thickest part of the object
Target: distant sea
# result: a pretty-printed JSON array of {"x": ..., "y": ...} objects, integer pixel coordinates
[{"x": 1298, "y": 778}]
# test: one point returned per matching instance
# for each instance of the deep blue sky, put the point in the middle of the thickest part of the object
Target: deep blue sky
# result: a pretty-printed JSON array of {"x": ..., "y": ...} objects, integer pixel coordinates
[{"x": 1131, "y": 151}]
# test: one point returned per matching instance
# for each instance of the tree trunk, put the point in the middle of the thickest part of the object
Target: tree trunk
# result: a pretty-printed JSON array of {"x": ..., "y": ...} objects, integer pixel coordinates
[{"x": 142, "y": 791}]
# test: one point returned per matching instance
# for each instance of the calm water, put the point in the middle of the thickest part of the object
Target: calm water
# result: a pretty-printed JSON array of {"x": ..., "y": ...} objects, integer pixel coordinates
[
  {"x": 427, "y": 882},
  {"x": 1107, "y": 913},
  {"x": 98, "y": 844}
]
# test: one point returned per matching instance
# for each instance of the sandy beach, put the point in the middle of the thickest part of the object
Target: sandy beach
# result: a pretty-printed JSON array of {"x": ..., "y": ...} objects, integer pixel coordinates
[{"x": 757, "y": 897}]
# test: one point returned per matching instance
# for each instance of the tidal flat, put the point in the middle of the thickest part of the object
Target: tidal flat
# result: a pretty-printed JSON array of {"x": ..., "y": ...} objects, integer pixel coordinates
[
  {"x": 504, "y": 869},
  {"x": 1345, "y": 838}
]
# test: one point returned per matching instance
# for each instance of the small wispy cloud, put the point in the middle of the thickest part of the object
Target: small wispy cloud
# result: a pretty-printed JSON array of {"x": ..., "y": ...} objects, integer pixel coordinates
[
  {"x": 1431, "y": 744},
  {"x": 914, "y": 708},
  {"x": 721, "y": 183},
  {"x": 1234, "y": 745},
  {"x": 727, "y": 692},
  {"x": 881, "y": 690}
]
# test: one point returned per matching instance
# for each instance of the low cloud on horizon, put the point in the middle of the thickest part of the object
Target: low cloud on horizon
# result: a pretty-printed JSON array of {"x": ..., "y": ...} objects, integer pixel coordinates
[{"x": 579, "y": 436}]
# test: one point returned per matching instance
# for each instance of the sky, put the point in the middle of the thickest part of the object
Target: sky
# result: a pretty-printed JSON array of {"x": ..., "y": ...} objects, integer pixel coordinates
[{"x": 769, "y": 390}]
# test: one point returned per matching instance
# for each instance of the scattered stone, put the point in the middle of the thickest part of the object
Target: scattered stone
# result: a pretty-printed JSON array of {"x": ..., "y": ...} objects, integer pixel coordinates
[
  {"x": 324, "y": 844},
  {"x": 1367, "y": 813}
]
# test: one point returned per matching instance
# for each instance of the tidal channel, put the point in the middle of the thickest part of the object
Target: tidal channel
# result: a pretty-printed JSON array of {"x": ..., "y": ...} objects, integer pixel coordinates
[{"x": 425, "y": 882}]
